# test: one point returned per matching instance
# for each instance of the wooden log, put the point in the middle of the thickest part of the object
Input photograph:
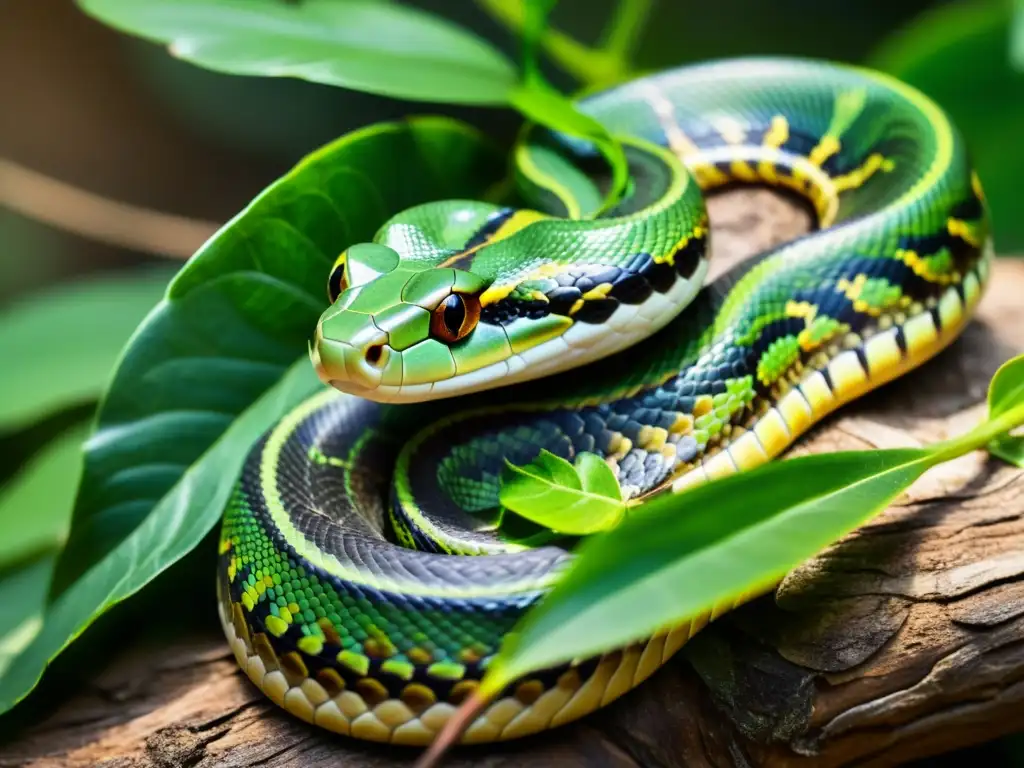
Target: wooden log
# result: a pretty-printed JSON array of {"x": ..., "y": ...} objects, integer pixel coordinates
[{"x": 904, "y": 640}]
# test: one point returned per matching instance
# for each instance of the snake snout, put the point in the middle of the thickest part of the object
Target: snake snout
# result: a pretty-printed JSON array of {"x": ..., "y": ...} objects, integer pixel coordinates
[{"x": 355, "y": 364}]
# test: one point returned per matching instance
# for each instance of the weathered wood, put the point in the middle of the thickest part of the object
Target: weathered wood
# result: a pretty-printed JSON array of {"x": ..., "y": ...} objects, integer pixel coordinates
[{"x": 904, "y": 640}]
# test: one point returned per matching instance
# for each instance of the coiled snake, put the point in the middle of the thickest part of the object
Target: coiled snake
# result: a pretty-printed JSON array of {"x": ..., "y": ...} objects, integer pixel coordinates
[{"x": 363, "y": 586}]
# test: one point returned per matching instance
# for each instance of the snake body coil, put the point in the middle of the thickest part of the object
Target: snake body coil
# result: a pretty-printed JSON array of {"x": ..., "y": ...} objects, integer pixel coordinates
[{"x": 362, "y": 584}]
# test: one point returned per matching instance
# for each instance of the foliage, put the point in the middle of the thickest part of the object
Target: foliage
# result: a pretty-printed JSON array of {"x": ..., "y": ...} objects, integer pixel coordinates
[
  {"x": 382, "y": 48},
  {"x": 62, "y": 344}
]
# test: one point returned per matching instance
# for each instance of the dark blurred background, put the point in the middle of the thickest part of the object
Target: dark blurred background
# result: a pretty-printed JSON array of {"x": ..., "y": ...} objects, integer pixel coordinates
[
  {"x": 119, "y": 118},
  {"x": 91, "y": 119}
]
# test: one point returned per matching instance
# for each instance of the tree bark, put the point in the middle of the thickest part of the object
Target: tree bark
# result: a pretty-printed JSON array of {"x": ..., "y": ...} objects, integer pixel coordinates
[{"x": 904, "y": 640}]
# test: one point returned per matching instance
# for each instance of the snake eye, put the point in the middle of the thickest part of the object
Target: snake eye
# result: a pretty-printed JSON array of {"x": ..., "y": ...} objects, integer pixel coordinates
[
  {"x": 337, "y": 283},
  {"x": 454, "y": 318}
]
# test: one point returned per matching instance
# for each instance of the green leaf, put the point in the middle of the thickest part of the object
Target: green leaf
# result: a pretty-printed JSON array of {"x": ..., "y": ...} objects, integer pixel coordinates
[
  {"x": 957, "y": 54},
  {"x": 1008, "y": 448},
  {"x": 597, "y": 477},
  {"x": 63, "y": 343},
  {"x": 677, "y": 557},
  {"x": 35, "y": 505},
  {"x": 169, "y": 532},
  {"x": 384, "y": 48},
  {"x": 1006, "y": 389},
  {"x": 547, "y": 107},
  {"x": 550, "y": 492},
  {"x": 241, "y": 312},
  {"x": 24, "y": 589},
  {"x": 35, "y": 510}
]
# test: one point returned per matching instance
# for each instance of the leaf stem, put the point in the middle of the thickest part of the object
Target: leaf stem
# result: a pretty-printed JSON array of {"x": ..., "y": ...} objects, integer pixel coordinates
[
  {"x": 623, "y": 30},
  {"x": 89, "y": 215},
  {"x": 590, "y": 66},
  {"x": 980, "y": 436},
  {"x": 452, "y": 731}
]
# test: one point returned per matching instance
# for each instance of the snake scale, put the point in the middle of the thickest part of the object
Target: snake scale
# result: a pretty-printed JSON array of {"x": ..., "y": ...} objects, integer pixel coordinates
[{"x": 363, "y": 585}]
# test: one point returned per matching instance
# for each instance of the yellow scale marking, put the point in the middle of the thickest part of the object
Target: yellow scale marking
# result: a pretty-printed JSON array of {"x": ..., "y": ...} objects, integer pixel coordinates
[
  {"x": 795, "y": 411},
  {"x": 774, "y": 138},
  {"x": 882, "y": 352},
  {"x": 847, "y": 373},
  {"x": 920, "y": 333},
  {"x": 720, "y": 465},
  {"x": 773, "y": 433},
  {"x": 747, "y": 452}
]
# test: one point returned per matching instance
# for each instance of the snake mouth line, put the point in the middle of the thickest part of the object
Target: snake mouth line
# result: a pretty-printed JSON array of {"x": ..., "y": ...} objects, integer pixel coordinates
[{"x": 581, "y": 342}]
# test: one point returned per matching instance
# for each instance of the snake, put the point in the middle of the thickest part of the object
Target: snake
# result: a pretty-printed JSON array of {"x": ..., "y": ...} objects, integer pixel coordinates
[{"x": 366, "y": 573}]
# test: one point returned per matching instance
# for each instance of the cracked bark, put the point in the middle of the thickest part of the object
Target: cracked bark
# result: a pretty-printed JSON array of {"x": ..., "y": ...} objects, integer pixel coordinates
[{"x": 904, "y": 640}]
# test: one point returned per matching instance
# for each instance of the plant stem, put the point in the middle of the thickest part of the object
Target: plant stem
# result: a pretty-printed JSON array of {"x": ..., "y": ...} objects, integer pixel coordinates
[
  {"x": 624, "y": 29},
  {"x": 980, "y": 436},
  {"x": 591, "y": 67}
]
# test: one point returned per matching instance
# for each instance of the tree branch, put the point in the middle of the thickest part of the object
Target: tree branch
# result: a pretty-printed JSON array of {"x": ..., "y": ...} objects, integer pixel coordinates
[{"x": 92, "y": 216}]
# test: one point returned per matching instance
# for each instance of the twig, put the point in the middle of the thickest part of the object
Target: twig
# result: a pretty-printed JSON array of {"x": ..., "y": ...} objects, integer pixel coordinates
[
  {"x": 84, "y": 213},
  {"x": 590, "y": 66},
  {"x": 624, "y": 28}
]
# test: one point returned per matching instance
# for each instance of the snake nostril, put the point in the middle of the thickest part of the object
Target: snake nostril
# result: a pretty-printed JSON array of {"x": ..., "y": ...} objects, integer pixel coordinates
[{"x": 374, "y": 354}]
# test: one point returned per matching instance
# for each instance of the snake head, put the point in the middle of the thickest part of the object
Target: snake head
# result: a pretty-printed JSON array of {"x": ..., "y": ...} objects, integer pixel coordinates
[
  {"x": 458, "y": 297},
  {"x": 396, "y": 327}
]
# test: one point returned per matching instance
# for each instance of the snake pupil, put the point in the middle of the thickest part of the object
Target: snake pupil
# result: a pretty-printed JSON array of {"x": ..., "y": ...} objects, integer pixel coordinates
[
  {"x": 454, "y": 313},
  {"x": 336, "y": 283},
  {"x": 455, "y": 317}
]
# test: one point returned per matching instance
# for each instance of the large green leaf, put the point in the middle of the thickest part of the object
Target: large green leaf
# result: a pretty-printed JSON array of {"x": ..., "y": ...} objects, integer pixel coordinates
[
  {"x": 384, "y": 48},
  {"x": 241, "y": 311},
  {"x": 957, "y": 54},
  {"x": 680, "y": 556},
  {"x": 35, "y": 510},
  {"x": 21, "y": 611},
  {"x": 35, "y": 505},
  {"x": 59, "y": 346},
  {"x": 169, "y": 532}
]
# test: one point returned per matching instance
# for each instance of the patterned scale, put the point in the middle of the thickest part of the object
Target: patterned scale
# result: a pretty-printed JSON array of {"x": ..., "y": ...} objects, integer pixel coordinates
[
  {"x": 371, "y": 629},
  {"x": 772, "y": 322}
]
